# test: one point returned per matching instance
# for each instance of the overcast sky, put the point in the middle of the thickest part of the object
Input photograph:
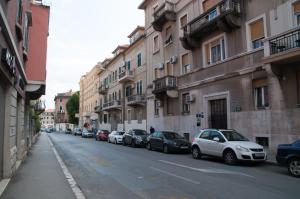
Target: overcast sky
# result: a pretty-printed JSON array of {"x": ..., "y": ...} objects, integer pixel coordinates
[{"x": 83, "y": 33}]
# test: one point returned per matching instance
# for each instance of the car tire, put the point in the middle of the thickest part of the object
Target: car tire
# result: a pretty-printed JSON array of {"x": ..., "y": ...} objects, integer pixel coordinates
[
  {"x": 294, "y": 167},
  {"x": 133, "y": 143},
  {"x": 196, "y": 152},
  {"x": 166, "y": 149},
  {"x": 116, "y": 141},
  {"x": 230, "y": 157},
  {"x": 149, "y": 146}
]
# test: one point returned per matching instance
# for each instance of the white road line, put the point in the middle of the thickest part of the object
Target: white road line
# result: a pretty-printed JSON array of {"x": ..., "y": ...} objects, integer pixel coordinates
[
  {"x": 214, "y": 171},
  {"x": 76, "y": 190},
  {"x": 176, "y": 176}
]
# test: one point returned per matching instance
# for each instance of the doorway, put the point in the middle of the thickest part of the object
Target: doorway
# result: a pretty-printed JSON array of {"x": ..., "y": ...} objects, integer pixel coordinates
[{"x": 218, "y": 114}]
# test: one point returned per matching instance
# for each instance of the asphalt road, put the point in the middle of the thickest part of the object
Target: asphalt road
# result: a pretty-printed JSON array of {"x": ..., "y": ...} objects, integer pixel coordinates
[{"x": 108, "y": 171}]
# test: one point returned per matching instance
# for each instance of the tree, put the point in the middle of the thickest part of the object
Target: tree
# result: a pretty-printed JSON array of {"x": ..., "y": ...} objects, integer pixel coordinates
[{"x": 73, "y": 108}]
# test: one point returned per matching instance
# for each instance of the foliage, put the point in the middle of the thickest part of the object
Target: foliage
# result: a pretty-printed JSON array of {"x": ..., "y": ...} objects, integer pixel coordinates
[{"x": 73, "y": 108}]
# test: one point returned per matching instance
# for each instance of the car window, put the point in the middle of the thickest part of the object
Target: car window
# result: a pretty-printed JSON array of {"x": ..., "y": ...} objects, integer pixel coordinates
[
  {"x": 159, "y": 135},
  {"x": 155, "y": 134},
  {"x": 205, "y": 135},
  {"x": 214, "y": 134},
  {"x": 297, "y": 143},
  {"x": 140, "y": 132},
  {"x": 172, "y": 135},
  {"x": 233, "y": 136}
]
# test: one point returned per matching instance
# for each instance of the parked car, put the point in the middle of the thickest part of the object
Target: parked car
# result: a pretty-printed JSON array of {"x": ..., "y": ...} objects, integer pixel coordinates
[
  {"x": 135, "y": 137},
  {"x": 289, "y": 155},
  {"x": 77, "y": 131},
  {"x": 87, "y": 133},
  {"x": 116, "y": 137},
  {"x": 102, "y": 135},
  {"x": 167, "y": 142},
  {"x": 68, "y": 131},
  {"x": 227, "y": 144}
]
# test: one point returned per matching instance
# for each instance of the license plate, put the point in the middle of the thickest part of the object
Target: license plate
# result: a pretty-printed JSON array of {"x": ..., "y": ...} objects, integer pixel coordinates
[
  {"x": 184, "y": 147},
  {"x": 259, "y": 154}
]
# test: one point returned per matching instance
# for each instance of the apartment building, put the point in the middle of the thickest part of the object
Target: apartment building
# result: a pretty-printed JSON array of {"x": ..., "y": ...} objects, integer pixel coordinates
[
  {"x": 61, "y": 114},
  {"x": 123, "y": 86},
  {"x": 224, "y": 64},
  {"x": 24, "y": 28},
  {"x": 47, "y": 118},
  {"x": 89, "y": 97}
]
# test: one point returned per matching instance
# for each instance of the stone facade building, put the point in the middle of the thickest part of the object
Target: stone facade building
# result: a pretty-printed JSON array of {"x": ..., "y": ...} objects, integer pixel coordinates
[
  {"x": 24, "y": 30},
  {"x": 224, "y": 64},
  {"x": 47, "y": 118}
]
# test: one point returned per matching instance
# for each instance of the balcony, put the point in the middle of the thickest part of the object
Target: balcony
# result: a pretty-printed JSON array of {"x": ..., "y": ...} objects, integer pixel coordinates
[
  {"x": 136, "y": 100},
  {"x": 165, "y": 85},
  {"x": 225, "y": 16},
  {"x": 126, "y": 76},
  {"x": 113, "y": 105},
  {"x": 283, "y": 48},
  {"x": 98, "y": 109},
  {"x": 103, "y": 89},
  {"x": 164, "y": 14}
]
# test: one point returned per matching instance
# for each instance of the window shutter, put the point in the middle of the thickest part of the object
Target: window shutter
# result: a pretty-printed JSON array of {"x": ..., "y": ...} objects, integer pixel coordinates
[
  {"x": 207, "y": 53},
  {"x": 296, "y": 7},
  {"x": 259, "y": 83},
  {"x": 257, "y": 30},
  {"x": 185, "y": 60},
  {"x": 208, "y": 4},
  {"x": 183, "y": 21}
]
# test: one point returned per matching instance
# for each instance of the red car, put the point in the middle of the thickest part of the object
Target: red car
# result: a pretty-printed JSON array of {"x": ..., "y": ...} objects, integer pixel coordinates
[{"x": 102, "y": 135}]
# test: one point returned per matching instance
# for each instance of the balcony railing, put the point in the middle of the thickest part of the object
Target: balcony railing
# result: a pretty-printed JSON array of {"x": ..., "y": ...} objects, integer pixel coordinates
[
  {"x": 285, "y": 42},
  {"x": 126, "y": 75},
  {"x": 164, "y": 84},
  {"x": 136, "y": 100},
  {"x": 116, "y": 104},
  {"x": 163, "y": 14},
  {"x": 103, "y": 88},
  {"x": 98, "y": 109},
  {"x": 222, "y": 17}
]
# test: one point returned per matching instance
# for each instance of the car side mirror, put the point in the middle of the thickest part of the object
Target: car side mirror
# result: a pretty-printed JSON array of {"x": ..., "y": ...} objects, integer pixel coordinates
[{"x": 216, "y": 139}]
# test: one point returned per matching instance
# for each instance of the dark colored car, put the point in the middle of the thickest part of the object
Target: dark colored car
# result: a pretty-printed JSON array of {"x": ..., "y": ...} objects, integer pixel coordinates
[
  {"x": 167, "y": 142},
  {"x": 102, "y": 135},
  {"x": 68, "y": 131},
  {"x": 289, "y": 155},
  {"x": 135, "y": 137}
]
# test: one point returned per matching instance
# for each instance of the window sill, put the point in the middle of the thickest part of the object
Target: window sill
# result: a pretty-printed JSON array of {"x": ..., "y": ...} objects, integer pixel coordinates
[
  {"x": 262, "y": 108},
  {"x": 186, "y": 113}
]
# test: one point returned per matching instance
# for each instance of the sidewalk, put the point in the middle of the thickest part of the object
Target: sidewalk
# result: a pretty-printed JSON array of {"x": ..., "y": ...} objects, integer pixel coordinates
[{"x": 39, "y": 176}]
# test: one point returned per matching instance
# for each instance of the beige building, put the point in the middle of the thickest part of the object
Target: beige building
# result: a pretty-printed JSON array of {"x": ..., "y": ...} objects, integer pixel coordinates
[
  {"x": 47, "y": 118},
  {"x": 224, "y": 64},
  {"x": 89, "y": 97}
]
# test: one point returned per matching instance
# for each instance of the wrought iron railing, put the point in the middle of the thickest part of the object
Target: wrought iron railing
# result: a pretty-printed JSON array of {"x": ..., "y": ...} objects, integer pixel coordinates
[
  {"x": 167, "y": 6},
  {"x": 136, "y": 98},
  {"x": 115, "y": 103},
  {"x": 125, "y": 73},
  {"x": 165, "y": 83},
  {"x": 285, "y": 42}
]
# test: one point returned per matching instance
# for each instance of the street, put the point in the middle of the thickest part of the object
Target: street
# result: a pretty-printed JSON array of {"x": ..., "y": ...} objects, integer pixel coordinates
[{"x": 104, "y": 170}]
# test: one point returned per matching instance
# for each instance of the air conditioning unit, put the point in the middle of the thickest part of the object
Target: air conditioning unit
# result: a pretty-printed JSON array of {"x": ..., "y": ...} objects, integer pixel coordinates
[
  {"x": 173, "y": 60},
  {"x": 160, "y": 66},
  {"x": 190, "y": 98},
  {"x": 158, "y": 103}
]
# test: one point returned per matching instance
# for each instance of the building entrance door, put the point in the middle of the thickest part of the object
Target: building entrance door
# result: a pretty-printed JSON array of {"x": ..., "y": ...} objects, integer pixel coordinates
[
  {"x": 218, "y": 114},
  {"x": 2, "y": 116}
]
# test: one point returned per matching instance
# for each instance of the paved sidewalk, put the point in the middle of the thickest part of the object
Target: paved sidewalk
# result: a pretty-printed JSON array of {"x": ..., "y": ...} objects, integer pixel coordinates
[{"x": 40, "y": 176}]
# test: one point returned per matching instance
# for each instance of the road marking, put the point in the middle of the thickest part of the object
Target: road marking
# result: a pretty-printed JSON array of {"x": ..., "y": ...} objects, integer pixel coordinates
[
  {"x": 176, "y": 176},
  {"x": 214, "y": 171},
  {"x": 76, "y": 190}
]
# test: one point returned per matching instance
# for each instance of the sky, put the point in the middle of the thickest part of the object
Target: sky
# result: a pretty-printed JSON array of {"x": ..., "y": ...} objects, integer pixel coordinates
[{"x": 83, "y": 33}]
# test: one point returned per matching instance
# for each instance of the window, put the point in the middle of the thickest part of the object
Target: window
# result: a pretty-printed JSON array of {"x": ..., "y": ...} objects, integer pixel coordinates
[
  {"x": 183, "y": 21},
  {"x": 296, "y": 9},
  {"x": 298, "y": 85},
  {"x": 205, "y": 135},
  {"x": 113, "y": 76},
  {"x": 168, "y": 36},
  {"x": 116, "y": 75},
  {"x": 169, "y": 69},
  {"x": 156, "y": 107},
  {"x": 156, "y": 73},
  {"x": 185, "y": 63},
  {"x": 105, "y": 118},
  {"x": 169, "y": 105},
  {"x": 120, "y": 95},
  {"x": 155, "y": 44},
  {"x": 19, "y": 12},
  {"x": 257, "y": 33},
  {"x": 139, "y": 60},
  {"x": 208, "y": 4},
  {"x": 185, "y": 103},
  {"x": 264, "y": 141},
  {"x": 128, "y": 115},
  {"x": 128, "y": 91},
  {"x": 109, "y": 78},
  {"x": 128, "y": 65},
  {"x": 212, "y": 14},
  {"x": 26, "y": 35},
  {"x": 261, "y": 97},
  {"x": 139, "y": 87},
  {"x": 215, "y": 51}
]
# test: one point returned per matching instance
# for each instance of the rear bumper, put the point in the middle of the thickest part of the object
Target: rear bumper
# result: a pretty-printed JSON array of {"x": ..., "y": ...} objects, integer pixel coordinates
[{"x": 173, "y": 148}]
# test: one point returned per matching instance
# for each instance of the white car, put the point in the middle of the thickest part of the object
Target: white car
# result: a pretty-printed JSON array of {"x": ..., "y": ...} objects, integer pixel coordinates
[
  {"x": 116, "y": 137},
  {"x": 227, "y": 144}
]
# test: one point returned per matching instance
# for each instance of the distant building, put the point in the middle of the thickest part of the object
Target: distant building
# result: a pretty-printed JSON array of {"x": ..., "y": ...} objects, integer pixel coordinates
[
  {"x": 47, "y": 118},
  {"x": 61, "y": 114}
]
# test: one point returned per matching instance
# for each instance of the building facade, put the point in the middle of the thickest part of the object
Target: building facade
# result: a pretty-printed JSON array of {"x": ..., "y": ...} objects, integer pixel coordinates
[
  {"x": 89, "y": 97},
  {"x": 19, "y": 20},
  {"x": 224, "y": 64},
  {"x": 61, "y": 113},
  {"x": 47, "y": 118}
]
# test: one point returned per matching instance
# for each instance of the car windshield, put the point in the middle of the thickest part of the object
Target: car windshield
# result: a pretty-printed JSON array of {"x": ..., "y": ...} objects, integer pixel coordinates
[
  {"x": 140, "y": 132},
  {"x": 234, "y": 136},
  {"x": 172, "y": 135},
  {"x": 105, "y": 131}
]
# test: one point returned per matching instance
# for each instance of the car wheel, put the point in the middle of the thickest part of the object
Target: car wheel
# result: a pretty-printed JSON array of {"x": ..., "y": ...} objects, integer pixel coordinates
[
  {"x": 116, "y": 141},
  {"x": 196, "y": 153},
  {"x": 133, "y": 143},
  {"x": 123, "y": 142},
  {"x": 166, "y": 149},
  {"x": 294, "y": 167},
  {"x": 149, "y": 146},
  {"x": 230, "y": 157}
]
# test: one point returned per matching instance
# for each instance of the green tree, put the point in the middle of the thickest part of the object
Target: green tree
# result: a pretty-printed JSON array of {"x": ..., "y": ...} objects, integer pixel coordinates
[{"x": 73, "y": 108}]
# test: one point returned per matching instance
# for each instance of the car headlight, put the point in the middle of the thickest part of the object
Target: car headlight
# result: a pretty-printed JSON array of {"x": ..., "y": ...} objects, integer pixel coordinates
[{"x": 242, "y": 149}]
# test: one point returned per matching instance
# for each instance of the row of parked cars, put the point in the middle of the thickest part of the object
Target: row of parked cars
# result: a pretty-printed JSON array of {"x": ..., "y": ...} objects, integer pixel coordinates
[{"x": 229, "y": 145}]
